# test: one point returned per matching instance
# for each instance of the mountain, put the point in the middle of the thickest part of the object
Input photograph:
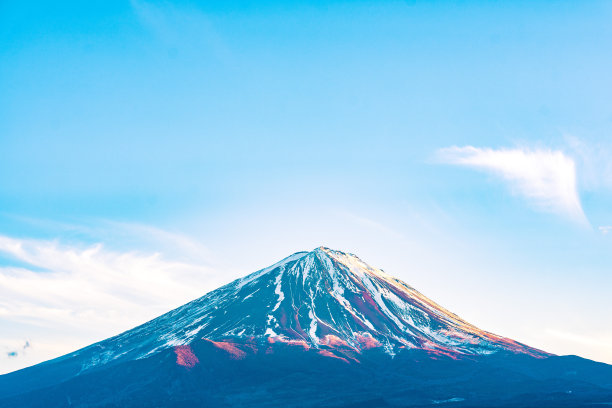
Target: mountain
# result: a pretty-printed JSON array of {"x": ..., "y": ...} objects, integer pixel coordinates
[{"x": 319, "y": 328}]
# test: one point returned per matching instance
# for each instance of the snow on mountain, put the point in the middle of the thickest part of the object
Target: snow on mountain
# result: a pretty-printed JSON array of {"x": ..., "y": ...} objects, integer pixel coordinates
[{"x": 324, "y": 300}]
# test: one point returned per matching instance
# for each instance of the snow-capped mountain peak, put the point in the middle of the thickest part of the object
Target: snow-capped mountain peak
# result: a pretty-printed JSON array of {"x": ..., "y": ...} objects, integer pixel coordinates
[
  {"x": 323, "y": 300},
  {"x": 318, "y": 328}
]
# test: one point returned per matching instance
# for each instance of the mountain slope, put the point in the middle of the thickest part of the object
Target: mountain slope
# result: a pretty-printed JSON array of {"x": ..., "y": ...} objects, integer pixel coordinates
[
  {"x": 319, "y": 313},
  {"x": 311, "y": 299}
]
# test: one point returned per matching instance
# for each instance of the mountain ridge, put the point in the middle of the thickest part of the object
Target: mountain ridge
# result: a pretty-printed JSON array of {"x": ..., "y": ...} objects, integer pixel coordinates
[
  {"x": 314, "y": 299},
  {"x": 318, "y": 328}
]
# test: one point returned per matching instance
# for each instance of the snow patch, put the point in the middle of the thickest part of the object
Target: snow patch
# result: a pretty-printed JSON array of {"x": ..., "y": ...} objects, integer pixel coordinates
[
  {"x": 278, "y": 290},
  {"x": 313, "y": 326}
]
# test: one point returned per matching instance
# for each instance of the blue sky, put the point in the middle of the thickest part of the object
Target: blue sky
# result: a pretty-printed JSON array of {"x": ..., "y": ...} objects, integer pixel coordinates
[{"x": 462, "y": 146}]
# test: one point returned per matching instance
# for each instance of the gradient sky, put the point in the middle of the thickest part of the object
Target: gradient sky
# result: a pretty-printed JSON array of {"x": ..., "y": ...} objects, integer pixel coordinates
[{"x": 150, "y": 152}]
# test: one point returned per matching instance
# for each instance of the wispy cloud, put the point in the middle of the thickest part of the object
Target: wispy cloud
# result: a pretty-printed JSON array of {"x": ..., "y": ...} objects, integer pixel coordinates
[
  {"x": 593, "y": 161},
  {"x": 82, "y": 293},
  {"x": 181, "y": 28},
  {"x": 605, "y": 229},
  {"x": 546, "y": 178},
  {"x": 371, "y": 224},
  {"x": 581, "y": 339}
]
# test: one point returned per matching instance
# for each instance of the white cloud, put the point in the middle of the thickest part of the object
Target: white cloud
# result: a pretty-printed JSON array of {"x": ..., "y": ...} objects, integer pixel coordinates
[
  {"x": 59, "y": 297},
  {"x": 594, "y": 341},
  {"x": 546, "y": 178},
  {"x": 593, "y": 160},
  {"x": 605, "y": 229}
]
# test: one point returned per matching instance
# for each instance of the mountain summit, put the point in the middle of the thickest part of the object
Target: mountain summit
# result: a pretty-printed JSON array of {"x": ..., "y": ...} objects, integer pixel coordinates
[
  {"x": 325, "y": 300},
  {"x": 318, "y": 328}
]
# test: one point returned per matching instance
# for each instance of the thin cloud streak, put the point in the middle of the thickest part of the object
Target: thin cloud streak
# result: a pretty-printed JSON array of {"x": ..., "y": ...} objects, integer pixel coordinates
[
  {"x": 605, "y": 229},
  {"x": 545, "y": 178},
  {"x": 581, "y": 339},
  {"x": 182, "y": 28}
]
